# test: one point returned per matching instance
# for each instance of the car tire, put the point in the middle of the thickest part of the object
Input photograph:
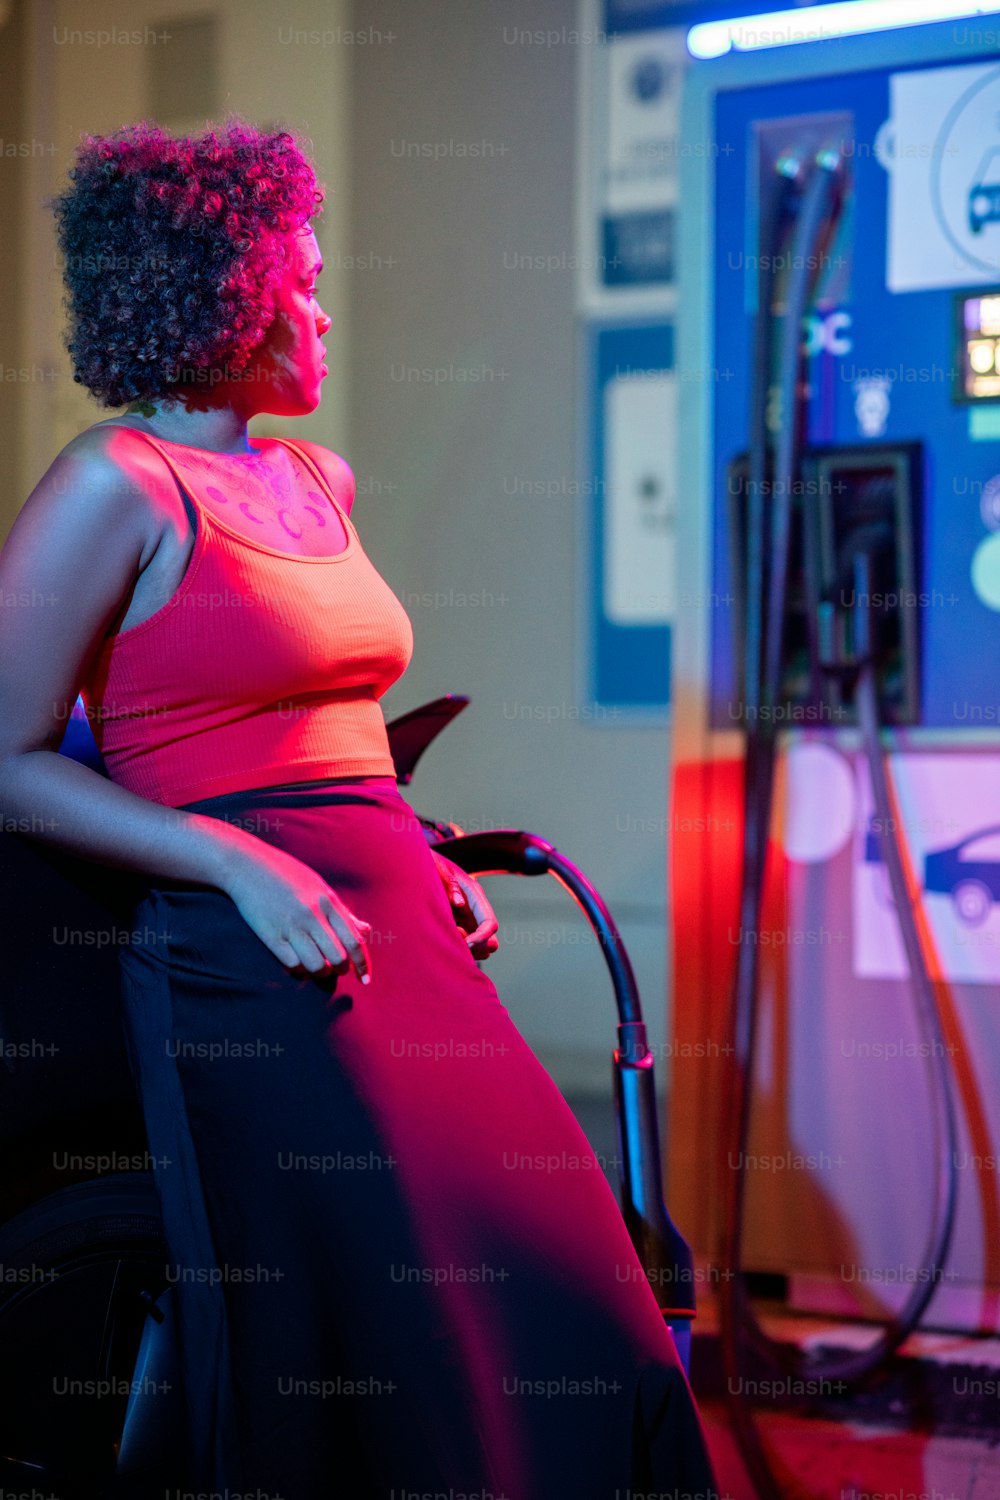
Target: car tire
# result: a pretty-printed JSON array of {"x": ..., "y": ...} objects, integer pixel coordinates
[
  {"x": 973, "y": 902},
  {"x": 82, "y": 1271}
]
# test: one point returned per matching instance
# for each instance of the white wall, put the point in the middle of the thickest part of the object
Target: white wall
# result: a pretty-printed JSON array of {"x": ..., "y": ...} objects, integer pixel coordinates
[{"x": 439, "y": 462}]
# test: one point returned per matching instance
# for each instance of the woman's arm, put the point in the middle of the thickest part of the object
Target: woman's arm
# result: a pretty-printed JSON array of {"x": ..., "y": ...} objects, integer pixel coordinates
[{"x": 68, "y": 566}]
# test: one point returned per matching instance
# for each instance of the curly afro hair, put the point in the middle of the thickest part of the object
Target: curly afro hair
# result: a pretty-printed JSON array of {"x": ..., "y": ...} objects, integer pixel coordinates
[{"x": 174, "y": 248}]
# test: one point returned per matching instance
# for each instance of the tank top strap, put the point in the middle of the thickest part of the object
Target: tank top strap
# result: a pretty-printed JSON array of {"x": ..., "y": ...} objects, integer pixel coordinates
[
  {"x": 310, "y": 464},
  {"x": 320, "y": 477},
  {"x": 188, "y": 491}
]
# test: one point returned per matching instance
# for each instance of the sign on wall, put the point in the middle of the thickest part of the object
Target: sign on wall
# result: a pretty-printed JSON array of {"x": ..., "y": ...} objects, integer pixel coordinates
[
  {"x": 631, "y": 79},
  {"x": 629, "y": 573},
  {"x": 629, "y": 163}
]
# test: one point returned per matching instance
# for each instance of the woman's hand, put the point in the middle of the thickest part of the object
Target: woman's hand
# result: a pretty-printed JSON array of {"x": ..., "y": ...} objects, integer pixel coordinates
[
  {"x": 296, "y": 913},
  {"x": 471, "y": 910}
]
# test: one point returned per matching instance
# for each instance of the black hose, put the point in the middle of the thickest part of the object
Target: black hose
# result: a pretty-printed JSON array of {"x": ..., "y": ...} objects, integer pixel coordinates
[
  {"x": 941, "y": 1082},
  {"x": 777, "y": 214},
  {"x": 736, "y": 1315},
  {"x": 762, "y": 685}
]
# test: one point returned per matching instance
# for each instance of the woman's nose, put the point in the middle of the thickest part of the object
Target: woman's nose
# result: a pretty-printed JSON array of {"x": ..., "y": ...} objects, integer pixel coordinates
[{"x": 323, "y": 323}]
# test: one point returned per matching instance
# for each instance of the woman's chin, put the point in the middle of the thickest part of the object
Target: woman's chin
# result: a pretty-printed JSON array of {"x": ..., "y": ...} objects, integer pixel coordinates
[
  {"x": 300, "y": 403},
  {"x": 312, "y": 393}
]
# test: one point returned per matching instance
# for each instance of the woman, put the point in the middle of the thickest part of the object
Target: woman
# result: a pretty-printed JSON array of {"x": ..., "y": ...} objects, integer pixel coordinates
[{"x": 398, "y": 1267}]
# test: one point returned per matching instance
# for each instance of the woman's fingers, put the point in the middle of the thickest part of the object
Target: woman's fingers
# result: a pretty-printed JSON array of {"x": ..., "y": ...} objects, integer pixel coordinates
[
  {"x": 318, "y": 951},
  {"x": 352, "y": 933},
  {"x": 481, "y": 939},
  {"x": 472, "y": 910},
  {"x": 479, "y": 935}
]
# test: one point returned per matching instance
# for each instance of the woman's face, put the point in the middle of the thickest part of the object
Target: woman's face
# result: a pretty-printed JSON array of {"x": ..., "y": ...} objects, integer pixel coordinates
[{"x": 287, "y": 370}]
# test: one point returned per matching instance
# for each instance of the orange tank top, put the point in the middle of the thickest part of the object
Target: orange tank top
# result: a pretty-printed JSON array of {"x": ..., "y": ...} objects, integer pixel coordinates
[{"x": 262, "y": 668}]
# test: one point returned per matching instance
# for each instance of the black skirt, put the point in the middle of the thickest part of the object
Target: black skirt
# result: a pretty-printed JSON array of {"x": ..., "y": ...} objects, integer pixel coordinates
[{"x": 397, "y": 1264}]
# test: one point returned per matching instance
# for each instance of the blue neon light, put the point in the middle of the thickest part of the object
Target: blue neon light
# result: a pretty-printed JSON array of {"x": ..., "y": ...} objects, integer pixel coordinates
[{"x": 814, "y": 23}]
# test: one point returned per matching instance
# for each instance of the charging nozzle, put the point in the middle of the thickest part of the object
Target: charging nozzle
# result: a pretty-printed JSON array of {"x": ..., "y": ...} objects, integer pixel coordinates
[{"x": 789, "y": 165}]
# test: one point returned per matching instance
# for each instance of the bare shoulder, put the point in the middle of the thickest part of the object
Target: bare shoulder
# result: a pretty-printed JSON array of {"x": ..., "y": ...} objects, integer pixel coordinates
[
  {"x": 103, "y": 446},
  {"x": 73, "y": 556},
  {"x": 99, "y": 476},
  {"x": 335, "y": 470}
]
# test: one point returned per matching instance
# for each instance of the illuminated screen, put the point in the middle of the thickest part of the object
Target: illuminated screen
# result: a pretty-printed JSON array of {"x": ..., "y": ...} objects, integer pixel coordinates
[{"x": 979, "y": 346}]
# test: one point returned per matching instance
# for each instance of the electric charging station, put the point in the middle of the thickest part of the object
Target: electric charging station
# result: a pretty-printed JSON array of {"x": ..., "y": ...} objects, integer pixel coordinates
[{"x": 847, "y": 197}]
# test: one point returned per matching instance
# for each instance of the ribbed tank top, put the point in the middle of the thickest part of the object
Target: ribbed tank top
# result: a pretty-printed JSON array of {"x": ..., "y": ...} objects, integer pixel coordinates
[{"x": 262, "y": 668}]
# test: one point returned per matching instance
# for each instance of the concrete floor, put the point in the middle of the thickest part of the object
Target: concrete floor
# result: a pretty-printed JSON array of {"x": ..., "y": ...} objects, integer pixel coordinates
[
  {"x": 817, "y": 1458},
  {"x": 856, "y": 1457},
  {"x": 838, "y": 1461}
]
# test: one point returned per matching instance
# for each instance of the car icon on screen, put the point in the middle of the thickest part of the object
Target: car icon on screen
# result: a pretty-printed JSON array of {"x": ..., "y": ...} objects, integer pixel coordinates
[{"x": 968, "y": 872}]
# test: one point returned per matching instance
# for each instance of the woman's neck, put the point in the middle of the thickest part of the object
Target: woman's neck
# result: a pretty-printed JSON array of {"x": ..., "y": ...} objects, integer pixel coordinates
[{"x": 220, "y": 429}]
